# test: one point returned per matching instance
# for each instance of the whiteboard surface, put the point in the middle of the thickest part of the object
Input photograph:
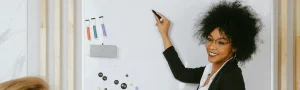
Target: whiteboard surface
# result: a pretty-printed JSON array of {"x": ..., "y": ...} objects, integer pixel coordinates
[{"x": 130, "y": 25}]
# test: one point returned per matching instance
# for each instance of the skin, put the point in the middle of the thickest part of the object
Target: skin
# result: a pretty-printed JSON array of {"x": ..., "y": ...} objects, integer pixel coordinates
[{"x": 217, "y": 42}]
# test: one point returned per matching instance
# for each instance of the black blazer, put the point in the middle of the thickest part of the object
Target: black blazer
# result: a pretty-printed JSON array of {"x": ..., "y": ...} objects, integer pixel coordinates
[{"x": 228, "y": 78}]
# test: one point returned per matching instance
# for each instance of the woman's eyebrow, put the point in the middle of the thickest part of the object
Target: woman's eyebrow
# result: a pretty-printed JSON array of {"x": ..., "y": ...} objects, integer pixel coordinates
[
  {"x": 223, "y": 38},
  {"x": 218, "y": 38}
]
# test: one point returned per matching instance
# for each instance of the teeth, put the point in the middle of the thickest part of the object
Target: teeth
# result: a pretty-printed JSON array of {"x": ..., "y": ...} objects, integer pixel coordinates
[{"x": 212, "y": 54}]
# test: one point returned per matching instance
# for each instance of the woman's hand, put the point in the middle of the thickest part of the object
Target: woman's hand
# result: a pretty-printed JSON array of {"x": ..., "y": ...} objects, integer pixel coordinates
[{"x": 163, "y": 27}]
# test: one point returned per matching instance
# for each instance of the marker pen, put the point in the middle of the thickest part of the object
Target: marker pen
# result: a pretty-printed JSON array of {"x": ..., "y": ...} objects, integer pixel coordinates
[
  {"x": 159, "y": 17},
  {"x": 88, "y": 31},
  {"x": 94, "y": 27},
  {"x": 103, "y": 26}
]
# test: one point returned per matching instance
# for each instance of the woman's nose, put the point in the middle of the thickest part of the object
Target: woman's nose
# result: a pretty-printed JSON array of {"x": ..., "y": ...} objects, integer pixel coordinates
[{"x": 213, "y": 46}]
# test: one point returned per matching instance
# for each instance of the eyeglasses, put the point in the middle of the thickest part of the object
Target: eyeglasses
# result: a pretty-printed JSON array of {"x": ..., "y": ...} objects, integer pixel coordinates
[{"x": 219, "y": 42}]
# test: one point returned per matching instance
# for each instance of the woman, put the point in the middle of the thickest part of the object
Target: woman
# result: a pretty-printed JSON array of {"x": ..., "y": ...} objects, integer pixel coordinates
[
  {"x": 229, "y": 32},
  {"x": 25, "y": 83}
]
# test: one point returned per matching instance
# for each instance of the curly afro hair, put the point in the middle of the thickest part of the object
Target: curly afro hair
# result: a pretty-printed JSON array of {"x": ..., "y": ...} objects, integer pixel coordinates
[{"x": 239, "y": 23}]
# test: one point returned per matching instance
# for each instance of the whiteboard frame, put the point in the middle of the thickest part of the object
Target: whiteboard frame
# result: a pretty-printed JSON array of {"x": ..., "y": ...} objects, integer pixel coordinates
[{"x": 274, "y": 45}]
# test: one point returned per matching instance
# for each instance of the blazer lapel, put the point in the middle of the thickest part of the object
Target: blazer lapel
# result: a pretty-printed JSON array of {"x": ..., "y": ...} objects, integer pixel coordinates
[{"x": 215, "y": 83}]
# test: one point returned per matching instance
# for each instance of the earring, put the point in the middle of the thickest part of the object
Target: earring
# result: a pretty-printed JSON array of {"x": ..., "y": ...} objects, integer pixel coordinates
[
  {"x": 234, "y": 56},
  {"x": 233, "y": 50}
]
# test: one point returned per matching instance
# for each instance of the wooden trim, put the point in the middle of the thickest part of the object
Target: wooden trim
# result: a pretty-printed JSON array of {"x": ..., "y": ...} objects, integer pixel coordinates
[
  {"x": 43, "y": 40},
  {"x": 57, "y": 44},
  {"x": 282, "y": 47},
  {"x": 297, "y": 64},
  {"x": 71, "y": 42},
  {"x": 297, "y": 17},
  {"x": 297, "y": 44}
]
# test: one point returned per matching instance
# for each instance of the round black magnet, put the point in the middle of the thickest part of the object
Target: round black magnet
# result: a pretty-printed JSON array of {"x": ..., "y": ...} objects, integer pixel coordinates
[
  {"x": 127, "y": 75},
  {"x": 100, "y": 74},
  {"x": 116, "y": 82},
  {"x": 123, "y": 85},
  {"x": 105, "y": 88},
  {"x": 104, "y": 78}
]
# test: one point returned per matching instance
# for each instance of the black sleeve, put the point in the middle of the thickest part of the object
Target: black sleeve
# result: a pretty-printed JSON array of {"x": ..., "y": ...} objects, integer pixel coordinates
[
  {"x": 187, "y": 75},
  {"x": 233, "y": 81}
]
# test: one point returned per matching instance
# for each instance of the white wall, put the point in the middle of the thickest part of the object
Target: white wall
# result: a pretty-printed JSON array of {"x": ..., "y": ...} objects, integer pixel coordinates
[
  {"x": 13, "y": 39},
  {"x": 33, "y": 41}
]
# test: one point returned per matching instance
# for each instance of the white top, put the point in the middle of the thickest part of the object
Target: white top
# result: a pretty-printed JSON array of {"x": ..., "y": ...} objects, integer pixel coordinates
[{"x": 205, "y": 74}]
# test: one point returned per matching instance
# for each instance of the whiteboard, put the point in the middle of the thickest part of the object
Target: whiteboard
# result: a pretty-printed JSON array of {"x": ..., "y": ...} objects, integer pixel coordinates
[
  {"x": 13, "y": 39},
  {"x": 130, "y": 25}
]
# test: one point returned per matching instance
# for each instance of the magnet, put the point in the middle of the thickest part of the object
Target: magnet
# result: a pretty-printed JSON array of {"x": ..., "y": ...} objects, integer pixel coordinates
[
  {"x": 136, "y": 88},
  {"x": 100, "y": 74},
  {"x": 131, "y": 84},
  {"x": 104, "y": 78},
  {"x": 116, "y": 82},
  {"x": 105, "y": 88},
  {"x": 127, "y": 75},
  {"x": 123, "y": 85}
]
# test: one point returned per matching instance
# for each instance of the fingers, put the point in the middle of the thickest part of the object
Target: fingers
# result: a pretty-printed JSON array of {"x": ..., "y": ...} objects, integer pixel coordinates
[
  {"x": 157, "y": 21},
  {"x": 162, "y": 16}
]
